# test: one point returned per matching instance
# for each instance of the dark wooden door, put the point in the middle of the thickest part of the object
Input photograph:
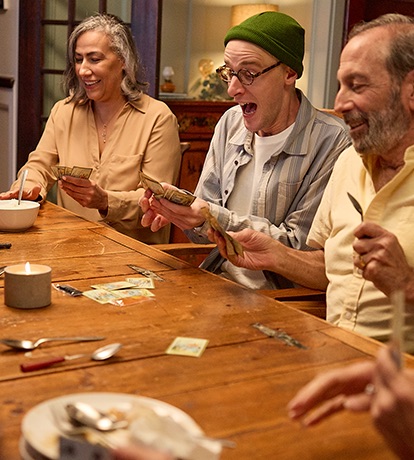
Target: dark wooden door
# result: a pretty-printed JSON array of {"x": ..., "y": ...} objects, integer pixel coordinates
[{"x": 37, "y": 29}]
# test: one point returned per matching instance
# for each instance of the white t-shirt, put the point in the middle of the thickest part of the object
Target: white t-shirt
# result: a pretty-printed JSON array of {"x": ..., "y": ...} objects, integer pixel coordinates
[{"x": 245, "y": 191}]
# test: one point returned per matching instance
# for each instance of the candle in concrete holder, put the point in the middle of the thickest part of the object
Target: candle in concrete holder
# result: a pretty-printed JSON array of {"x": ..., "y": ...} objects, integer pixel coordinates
[{"x": 27, "y": 285}]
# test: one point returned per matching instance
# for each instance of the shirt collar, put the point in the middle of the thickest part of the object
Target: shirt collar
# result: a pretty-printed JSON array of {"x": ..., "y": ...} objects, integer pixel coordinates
[{"x": 141, "y": 104}]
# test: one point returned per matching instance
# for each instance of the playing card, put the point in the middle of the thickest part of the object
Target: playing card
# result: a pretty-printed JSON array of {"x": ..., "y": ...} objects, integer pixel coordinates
[
  {"x": 68, "y": 171},
  {"x": 151, "y": 184},
  {"x": 114, "y": 285},
  {"x": 82, "y": 173},
  {"x": 181, "y": 197},
  {"x": 61, "y": 171},
  {"x": 127, "y": 301},
  {"x": 143, "y": 283},
  {"x": 55, "y": 171},
  {"x": 233, "y": 247},
  {"x": 76, "y": 171},
  {"x": 124, "y": 293},
  {"x": 187, "y": 346},
  {"x": 58, "y": 171},
  {"x": 100, "y": 295}
]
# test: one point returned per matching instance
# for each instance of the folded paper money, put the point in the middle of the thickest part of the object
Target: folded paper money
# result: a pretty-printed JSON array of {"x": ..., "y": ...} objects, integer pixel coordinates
[
  {"x": 233, "y": 247},
  {"x": 76, "y": 171},
  {"x": 176, "y": 196}
]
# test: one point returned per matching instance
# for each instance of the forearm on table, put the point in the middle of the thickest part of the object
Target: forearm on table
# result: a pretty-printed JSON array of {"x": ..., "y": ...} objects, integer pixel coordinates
[{"x": 306, "y": 268}]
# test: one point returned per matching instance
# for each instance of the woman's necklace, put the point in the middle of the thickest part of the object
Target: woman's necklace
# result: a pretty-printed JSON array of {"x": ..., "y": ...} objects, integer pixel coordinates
[
  {"x": 105, "y": 124},
  {"x": 104, "y": 128}
]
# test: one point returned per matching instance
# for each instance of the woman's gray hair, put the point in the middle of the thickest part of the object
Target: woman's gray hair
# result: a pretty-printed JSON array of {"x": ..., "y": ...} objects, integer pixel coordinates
[
  {"x": 400, "y": 60},
  {"x": 121, "y": 43}
]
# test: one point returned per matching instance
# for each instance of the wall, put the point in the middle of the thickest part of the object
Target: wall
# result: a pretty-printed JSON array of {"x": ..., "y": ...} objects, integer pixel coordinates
[
  {"x": 326, "y": 45},
  {"x": 206, "y": 22},
  {"x": 9, "y": 21}
]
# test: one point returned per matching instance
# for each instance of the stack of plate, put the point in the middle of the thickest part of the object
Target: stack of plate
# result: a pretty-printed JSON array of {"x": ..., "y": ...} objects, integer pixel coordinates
[{"x": 40, "y": 435}]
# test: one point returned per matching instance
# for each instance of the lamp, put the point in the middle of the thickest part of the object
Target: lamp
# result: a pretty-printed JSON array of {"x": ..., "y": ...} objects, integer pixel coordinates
[
  {"x": 168, "y": 86},
  {"x": 241, "y": 12}
]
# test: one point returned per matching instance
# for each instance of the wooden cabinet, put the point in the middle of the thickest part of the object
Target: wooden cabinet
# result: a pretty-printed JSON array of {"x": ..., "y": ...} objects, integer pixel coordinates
[{"x": 197, "y": 120}]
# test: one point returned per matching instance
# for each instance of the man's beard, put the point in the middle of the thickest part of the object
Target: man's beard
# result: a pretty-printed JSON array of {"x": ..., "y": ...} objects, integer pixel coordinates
[{"x": 385, "y": 129}]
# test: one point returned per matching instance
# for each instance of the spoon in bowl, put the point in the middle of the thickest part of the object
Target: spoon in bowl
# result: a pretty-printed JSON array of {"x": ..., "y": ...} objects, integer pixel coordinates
[
  {"x": 23, "y": 180},
  {"x": 101, "y": 354},
  {"x": 29, "y": 345}
]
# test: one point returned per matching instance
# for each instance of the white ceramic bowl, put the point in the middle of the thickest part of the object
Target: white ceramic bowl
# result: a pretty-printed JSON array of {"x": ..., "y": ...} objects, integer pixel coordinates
[{"x": 16, "y": 217}]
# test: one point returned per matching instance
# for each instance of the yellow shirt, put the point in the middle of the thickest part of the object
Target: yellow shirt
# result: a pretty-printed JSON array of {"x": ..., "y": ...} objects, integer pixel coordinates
[
  {"x": 352, "y": 302},
  {"x": 145, "y": 137}
]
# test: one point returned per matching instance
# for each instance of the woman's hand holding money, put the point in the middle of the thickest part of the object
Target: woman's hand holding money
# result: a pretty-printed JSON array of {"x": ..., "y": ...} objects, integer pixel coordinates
[{"x": 86, "y": 192}]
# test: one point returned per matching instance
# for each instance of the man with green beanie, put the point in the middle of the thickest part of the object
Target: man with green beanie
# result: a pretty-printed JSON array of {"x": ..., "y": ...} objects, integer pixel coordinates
[
  {"x": 271, "y": 155},
  {"x": 277, "y": 33}
]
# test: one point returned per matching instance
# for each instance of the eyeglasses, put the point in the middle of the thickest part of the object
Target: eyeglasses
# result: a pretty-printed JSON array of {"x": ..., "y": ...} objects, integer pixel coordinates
[{"x": 245, "y": 76}]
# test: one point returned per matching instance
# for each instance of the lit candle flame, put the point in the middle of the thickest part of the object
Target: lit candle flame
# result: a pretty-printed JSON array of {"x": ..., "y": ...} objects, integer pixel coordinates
[{"x": 27, "y": 268}]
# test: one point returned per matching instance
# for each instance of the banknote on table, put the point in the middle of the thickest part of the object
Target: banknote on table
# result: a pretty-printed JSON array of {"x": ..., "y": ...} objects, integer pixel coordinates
[
  {"x": 75, "y": 171},
  {"x": 114, "y": 286},
  {"x": 142, "y": 283},
  {"x": 177, "y": 196},
  {"x": 104, "y": 296},
  {"x": 233, "y": 247}
]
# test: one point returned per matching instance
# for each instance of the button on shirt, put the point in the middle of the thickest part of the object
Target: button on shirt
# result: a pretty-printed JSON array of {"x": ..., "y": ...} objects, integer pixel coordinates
[{"x": 352, "y": 302}]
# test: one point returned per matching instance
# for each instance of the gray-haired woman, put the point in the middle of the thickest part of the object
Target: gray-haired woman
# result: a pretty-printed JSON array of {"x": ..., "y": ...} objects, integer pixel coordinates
[{"x": 108, "y": 124}]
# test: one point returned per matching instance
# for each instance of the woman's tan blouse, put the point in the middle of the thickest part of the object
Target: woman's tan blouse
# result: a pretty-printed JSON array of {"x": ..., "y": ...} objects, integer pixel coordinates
[{"x": 144, "y": 137}]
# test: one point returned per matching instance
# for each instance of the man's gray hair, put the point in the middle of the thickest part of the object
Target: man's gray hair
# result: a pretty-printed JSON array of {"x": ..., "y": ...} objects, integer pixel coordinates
[{"x": 400, "y": 60}]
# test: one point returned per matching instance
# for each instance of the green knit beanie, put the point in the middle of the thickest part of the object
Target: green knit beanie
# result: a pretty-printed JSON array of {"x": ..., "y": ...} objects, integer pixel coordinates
[{"x": 275, "y": 32}]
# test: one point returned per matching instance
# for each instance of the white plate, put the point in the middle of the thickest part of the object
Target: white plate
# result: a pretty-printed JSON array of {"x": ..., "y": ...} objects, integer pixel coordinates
[
  {"x": 23, "y": 450},
  {"x": 40, "y": 432}
]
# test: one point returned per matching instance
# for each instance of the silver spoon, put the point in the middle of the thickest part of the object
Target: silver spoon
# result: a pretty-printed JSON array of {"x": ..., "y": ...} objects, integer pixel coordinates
[
  {"x": 86, "y": 415},
  {"x": 29, "y": 345},
  {"x": 100, "y": 354},
  {"x": 64, "y": 425},
  {"x": 23, "y": 180}
]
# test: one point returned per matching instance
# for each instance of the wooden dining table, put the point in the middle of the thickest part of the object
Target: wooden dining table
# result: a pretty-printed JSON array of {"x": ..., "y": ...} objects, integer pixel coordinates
[{"x": 237, "y": 389}]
